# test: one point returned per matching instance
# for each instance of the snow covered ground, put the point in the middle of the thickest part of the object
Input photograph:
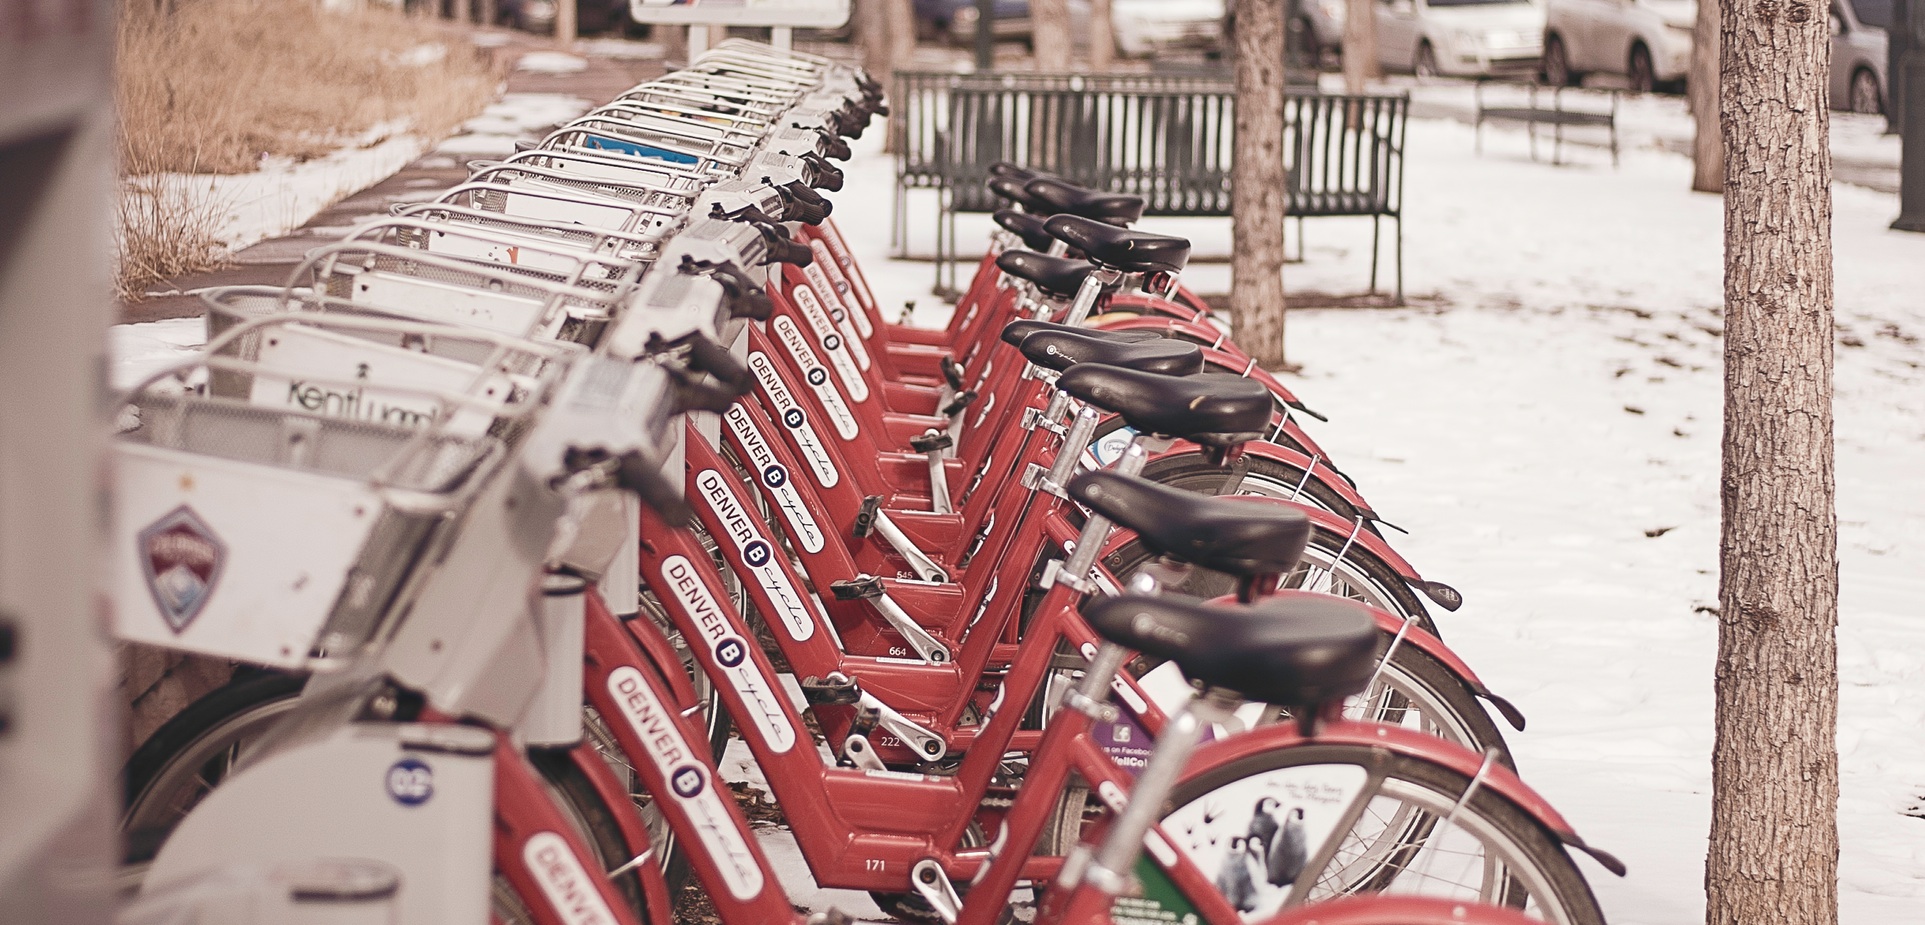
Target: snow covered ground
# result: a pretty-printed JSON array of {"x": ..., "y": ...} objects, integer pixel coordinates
[
  {"x": 1554, "y": 402},
  {"x": 1546, "y": 422}
]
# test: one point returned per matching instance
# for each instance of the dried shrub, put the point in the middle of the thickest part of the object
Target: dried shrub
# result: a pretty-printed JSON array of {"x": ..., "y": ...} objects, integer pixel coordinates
[{"x": 216, "y": 86}]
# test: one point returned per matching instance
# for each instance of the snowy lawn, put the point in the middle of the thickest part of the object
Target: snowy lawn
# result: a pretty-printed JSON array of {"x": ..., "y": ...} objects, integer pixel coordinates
[
  {"x": 1556, "y": 403},
  {"x": 1547, "y": 426}
]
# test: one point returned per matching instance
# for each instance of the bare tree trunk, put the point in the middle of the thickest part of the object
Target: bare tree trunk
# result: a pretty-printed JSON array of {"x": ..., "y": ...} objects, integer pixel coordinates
[
  {"x": 1102, "y": 37},
  {"x": 565, "y": 21},
  {"x": 1701, "y": 86},
  {"x": 1359, "y": 44},
  {"x": 902, "y": 33},
  {"x": 1049, "y": 31},
  {"x": 872, "y": 32},
  {"x": 1774, "y": 764},
  {"x": 1257, "y": 184}
]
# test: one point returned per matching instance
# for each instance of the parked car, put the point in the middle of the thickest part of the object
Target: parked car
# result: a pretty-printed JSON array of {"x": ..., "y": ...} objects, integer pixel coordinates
[
  {"x": 1858, "y": 54},
  {"x": 1147, "y": 27},
  {"x": 1319, "y": 26},
  {"x": 1646, "y": 41},
  {"x": 1460, "y": 37}
]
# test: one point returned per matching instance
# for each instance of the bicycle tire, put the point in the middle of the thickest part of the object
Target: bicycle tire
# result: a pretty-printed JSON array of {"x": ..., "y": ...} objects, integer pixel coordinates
[{"x": 1536, "y": 873}]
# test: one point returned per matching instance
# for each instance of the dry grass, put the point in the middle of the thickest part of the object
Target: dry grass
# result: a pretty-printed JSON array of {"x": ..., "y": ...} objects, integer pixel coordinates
[{"x": 216, "y": 86}]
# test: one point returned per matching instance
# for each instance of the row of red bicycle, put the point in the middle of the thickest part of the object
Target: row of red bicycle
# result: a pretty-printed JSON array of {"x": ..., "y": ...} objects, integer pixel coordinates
[{"x": 1055, "y": 613}]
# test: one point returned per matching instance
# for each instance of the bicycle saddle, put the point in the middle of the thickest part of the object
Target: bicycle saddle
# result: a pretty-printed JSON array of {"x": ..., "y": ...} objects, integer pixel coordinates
[
  {"x": 1015, "y": 332},
  {"x": 1011, "y": 188},
  {"x": 1210, "y": 409},
  {"x": 1059, "y": 350},
  {"x": 1121, "y": 248},
  {"x": 1297, "y": 649},
  {"x": 1242, "y": 539},
  {"x": 1026, "y": 226},
  {"x": 1056, "y": 276},
  {"x": 1064, "y": 198},
  {"x": 1014, "y": 171}
]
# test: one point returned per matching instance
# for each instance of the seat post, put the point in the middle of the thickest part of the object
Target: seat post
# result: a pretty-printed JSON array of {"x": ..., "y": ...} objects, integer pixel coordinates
[
  {"x": 1124, "y": 844},
  {"x": 1092, "y": 288},
  {"x": 1076, "y": 572}
]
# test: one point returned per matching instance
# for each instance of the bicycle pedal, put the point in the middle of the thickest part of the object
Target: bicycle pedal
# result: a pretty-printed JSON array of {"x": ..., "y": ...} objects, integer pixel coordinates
[
  {"x": 866, "y": 515},
  {"x": 952, "y": 371},
  {"x": 963, "y": 400},
  {"x": 859, "y": 588},
  {"x": 931, "y": 442},
  {"x": 834, "y": 690}
]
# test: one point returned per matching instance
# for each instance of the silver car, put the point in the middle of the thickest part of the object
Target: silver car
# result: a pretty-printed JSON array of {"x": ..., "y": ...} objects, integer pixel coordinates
[{"x": 1858, "y": 54}]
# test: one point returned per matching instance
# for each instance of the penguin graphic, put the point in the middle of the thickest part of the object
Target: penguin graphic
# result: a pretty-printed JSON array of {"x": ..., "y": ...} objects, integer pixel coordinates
[
  {"x": 1288, "y": 852},
  {"x": 1234, "y": 880},
  {"x": 1263, "y": 826}
]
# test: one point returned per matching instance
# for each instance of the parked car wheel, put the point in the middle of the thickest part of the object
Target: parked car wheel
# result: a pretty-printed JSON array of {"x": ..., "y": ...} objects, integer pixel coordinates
[
  {"x": 1426, "y": 63},
  {"x": 1642, "y": 75},
  {"x": 1557, "y": 64},
  {"x": 1865, "y": 94}
]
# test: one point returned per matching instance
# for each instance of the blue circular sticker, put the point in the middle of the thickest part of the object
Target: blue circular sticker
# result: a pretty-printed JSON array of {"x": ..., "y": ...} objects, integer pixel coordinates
[
  {"x": 410, "y": 781},
  {"x": 687, "y": 781},
  {"x": 730, "y": 652},
  {"x": 756, "y": 554},
  {"x": 775, "y": 476},
  {"x": 792, "y": 417}
]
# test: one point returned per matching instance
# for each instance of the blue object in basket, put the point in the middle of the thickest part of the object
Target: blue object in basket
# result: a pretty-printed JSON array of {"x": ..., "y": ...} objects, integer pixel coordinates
[{"x": 603, "y": 143}]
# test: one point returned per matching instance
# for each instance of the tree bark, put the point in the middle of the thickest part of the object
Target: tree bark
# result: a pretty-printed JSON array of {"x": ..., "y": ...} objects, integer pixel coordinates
[
  {"x": 673, "y": 39},
  {"x": 1359, "y": 44},
  {"x": 1774, "y": 799},
  {"x": 1102, "y": 37},
  {"x": 1257, "y": 184},
  {"x": 1049, "y": 33},
  {"x": 1701, "y": 87},
  {"x": 565, "y": 21}
]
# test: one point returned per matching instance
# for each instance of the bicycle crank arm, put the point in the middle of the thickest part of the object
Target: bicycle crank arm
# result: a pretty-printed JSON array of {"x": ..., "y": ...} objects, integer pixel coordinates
[
  {"x": 920, "y": 740},
  {"x": 928, "y": 646}
]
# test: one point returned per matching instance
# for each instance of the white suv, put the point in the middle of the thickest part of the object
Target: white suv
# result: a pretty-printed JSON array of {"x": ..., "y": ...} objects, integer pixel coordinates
[{"x": 1647, "y": 41}]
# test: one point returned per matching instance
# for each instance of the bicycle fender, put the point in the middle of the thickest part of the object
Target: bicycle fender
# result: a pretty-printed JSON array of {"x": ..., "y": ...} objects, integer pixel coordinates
[
  {"x": 1444, "y": 595},
  {"x": 1397, "y": 741},
  {"x": 1384, "y": 909},
  {"x": 1421, "y": 639}
]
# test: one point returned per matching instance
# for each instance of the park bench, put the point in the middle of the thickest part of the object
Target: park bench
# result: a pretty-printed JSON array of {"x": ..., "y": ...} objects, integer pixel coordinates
[
  {"x": 1168, "y": 139},
  {"x": 1557, "y": 116}
]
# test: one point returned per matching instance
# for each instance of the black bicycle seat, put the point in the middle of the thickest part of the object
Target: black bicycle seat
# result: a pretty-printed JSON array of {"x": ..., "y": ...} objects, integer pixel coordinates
[
  {"x": 1121, "y": 248},
  {"x": 1211, "y": 409},
  {"x": 1065, "y": 198},
  {"x": 1026, "y": 226},
  {"x": 1012, "y": 189},
  {"x": 1245, "y": 540},
  {"x": 1014, "y": 171},
  {"x": 1061, "y": 349},
  {"x": 1056, "y": 276},
  {"x": 1015, "y": 331},
  {"x": 1297, "y": 649}
]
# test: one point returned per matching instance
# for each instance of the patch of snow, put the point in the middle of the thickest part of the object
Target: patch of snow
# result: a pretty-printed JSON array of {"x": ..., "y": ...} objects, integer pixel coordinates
[
  {"x": 490, "y": 39},
  {"x": 551, "y": 62},
  {"x": 514, "y": 117},
  {"x": 629, "y": 49},
  {"x": 137, "y": 351},
  {"x": 284, "y": 194},
  {"x": 421, "y": 55}
]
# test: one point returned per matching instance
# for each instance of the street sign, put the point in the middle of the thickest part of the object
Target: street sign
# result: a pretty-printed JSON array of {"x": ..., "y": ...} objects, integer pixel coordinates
[{"x": 821, "y": 14}]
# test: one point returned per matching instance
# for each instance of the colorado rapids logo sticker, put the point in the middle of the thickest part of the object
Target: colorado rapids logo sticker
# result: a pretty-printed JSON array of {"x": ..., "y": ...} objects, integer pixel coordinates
[{"x": 181, "y": 559}]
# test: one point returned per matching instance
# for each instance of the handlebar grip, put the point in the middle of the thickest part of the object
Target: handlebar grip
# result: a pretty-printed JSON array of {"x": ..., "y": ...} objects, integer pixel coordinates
[
  {"x": 705, "y": 355},
  {"x": 655, "y": 489},
  {"x": 827, "y": 175},
  {"x": 746, "y": 299},
  {"x": 805, "y": 205},
  {"x": 783, "y": 250}
]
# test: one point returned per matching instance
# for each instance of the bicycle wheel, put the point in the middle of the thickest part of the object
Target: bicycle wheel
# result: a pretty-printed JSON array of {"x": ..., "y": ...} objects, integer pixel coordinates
[
  {"x": 1330, "y": 565},
  {"x": 1267, "y": 477},
  {"x": 1322, "y": 821}
]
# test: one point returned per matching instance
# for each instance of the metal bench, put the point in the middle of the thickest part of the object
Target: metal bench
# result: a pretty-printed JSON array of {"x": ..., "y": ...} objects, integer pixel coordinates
[
  {"x": 1557, "y": 117},
  {"x": 1168, "y": 139}
]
